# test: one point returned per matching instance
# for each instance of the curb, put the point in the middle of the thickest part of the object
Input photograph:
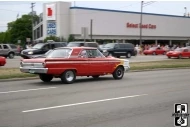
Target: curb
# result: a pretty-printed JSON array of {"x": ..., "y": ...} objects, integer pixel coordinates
[{"x": 130, "y": 71}]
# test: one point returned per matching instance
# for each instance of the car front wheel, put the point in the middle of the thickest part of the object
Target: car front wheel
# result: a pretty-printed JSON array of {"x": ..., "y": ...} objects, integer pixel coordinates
[
  {"x": 11, "y": 55},
  {"x": 118, "y": 73},
  {"x": 68, "y": 76},
  {"x": 128, "y": 55},
  {"x": 45, "y": 77}
]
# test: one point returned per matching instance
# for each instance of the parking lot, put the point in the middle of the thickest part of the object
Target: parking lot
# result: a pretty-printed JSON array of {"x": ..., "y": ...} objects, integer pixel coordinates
[{"x": 15, "y": 63}]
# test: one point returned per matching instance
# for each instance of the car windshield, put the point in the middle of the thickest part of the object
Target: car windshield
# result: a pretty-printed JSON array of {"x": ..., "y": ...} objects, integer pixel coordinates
[
  {"x": 153, "y": 48},
  {"x": 109, "y": 45},
  {"x": 38, "y": 46},
  {"x": 178, "y": 50},
  {"x": 74, "y": 44},
  {"x": 59, "y": 53}
]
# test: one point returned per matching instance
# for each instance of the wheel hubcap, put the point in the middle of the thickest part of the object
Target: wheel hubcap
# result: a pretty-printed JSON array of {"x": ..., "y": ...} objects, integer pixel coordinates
[
  {"x": 11, "y": 55},
  {"x": 119, "y": 73},
  {"x": 69, "y": 76}
]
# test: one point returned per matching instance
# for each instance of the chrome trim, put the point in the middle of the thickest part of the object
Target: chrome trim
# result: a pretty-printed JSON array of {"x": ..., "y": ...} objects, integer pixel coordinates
[{"x": 34, "y": 70}]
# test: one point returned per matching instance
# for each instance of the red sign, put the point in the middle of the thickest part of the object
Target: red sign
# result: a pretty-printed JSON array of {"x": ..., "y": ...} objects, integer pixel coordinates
[
  {"x": 49, "y": 12},
  {"x": 146, "y": 26}
]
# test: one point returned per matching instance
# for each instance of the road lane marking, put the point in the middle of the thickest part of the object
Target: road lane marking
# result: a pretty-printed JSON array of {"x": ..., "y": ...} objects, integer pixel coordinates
[
  {"x": 82, "y": 103},
  {"x": 26, "y": 90}
]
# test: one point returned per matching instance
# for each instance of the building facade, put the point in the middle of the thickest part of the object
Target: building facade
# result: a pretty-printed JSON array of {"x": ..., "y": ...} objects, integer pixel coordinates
[{"x": 61, "y": 19}]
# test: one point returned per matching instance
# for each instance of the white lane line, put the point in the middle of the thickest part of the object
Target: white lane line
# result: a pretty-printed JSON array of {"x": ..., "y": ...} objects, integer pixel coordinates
[
  {"x": 82, "y": 103},
  {"x": 26, "y": 90}
]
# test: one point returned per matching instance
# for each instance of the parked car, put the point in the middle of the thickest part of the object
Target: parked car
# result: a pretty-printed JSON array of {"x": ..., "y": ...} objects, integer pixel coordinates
[
  {"x": 2, "y": 61},
  {"x": 68, "y": 62},
  {"x": 8, "y": 50},
  {"x": 155, "y": 51},
  {"x": 179, "y": 53},
  {"x": 40, "y": 49},
  {"x": 119, "y": 49}
]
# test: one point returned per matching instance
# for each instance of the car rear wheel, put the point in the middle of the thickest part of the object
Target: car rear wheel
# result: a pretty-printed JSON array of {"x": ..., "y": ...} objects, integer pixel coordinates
[
  {"x": 118, "y": 73},
  {"x": 45, "y": 77},
  {"x": 128, "y": 55},
  {"x": 11, "y": 55},
  {"x": 68, "y": 76}
]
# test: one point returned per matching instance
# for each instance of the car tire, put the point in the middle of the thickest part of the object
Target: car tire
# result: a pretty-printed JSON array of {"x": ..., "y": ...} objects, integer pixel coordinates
[
  {"x": 128, "y": 55},
  {"x": 169, "y": 57},
  {"x": 179, "y": 57},
  {"x": 154, "y": 53},
  {"x": 118, "y": 73},
  {"x": 96, "y": 76},
  {"x": 68, "y": 76},
  {"x": 45, "y": 77},
  {"x": 11, "y": 55},
  {"x": 164, "y": 53}
]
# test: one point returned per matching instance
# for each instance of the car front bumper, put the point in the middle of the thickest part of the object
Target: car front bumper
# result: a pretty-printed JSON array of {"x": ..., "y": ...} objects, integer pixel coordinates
[{"x": 34, "y": 70}]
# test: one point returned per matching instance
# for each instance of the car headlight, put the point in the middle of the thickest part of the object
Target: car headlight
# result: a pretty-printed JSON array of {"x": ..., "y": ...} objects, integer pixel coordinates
[{"x": 30, "y": 53}]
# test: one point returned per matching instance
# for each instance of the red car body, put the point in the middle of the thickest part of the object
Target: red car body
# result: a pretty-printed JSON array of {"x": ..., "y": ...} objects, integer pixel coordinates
[
  {"x": 2, "y": 61},
  {"x": 179, "y": 53},
  {"x": 155, "y": 51},
  {"x": 80, "y": 61}
]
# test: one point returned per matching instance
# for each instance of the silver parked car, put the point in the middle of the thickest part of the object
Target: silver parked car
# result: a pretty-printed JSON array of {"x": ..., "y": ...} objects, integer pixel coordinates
[{"x": 8, "y": 50}]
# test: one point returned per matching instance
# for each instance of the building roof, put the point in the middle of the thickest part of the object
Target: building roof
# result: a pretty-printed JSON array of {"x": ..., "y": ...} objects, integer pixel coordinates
[{"x": 120, "y": 11}]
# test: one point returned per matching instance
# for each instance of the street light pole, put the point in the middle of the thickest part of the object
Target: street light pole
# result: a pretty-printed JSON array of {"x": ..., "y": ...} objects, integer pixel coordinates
[
  {"x": 32, "y": 6},
  {"x": 141, "y": 23}
]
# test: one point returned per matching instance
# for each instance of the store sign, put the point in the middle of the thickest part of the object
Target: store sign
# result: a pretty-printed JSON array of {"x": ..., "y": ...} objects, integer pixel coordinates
[
  {"x": 51, "y": 28},
  {"x": 50, "y": 12},
  {"x": 146, "y": 26}
]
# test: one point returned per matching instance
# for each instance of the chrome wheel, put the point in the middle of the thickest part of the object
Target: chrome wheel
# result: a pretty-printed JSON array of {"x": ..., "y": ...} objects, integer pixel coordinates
[
  {"x": 69, "y": 76},
  {"x": 11, "y": 55}
]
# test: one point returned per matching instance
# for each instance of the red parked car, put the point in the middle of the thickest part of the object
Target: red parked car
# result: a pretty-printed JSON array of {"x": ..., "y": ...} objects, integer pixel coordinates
[
  {"x": 179, "y": 53},
  {"x": 155, "y": 51},
  {"x": 68, "y": 62},
  {"x": 2, "y": 61}
]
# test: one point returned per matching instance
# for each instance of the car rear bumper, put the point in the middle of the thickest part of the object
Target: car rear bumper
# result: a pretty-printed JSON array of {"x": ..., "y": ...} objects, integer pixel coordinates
[{"x": 34, "y": 70}]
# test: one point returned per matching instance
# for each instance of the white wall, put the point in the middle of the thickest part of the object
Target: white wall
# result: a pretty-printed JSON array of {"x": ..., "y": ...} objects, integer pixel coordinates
[{"x": 114, "y": 23}]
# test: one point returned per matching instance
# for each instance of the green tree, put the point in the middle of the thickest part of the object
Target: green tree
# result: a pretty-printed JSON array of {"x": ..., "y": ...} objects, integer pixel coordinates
[
  {"x": 21, "y": 28},
  {"x": 54, "y": 38},
  {"x": 71, "y": 38}
]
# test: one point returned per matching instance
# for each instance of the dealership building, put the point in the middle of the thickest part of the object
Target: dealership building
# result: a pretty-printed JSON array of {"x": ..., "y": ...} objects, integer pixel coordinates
[{"x": 61, "y": 19}]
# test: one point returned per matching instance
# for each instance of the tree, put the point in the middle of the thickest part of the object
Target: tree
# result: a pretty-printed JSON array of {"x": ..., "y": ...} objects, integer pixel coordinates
[
  {"x": 21, "y": 28},
  {"x": 71, "y": 38},
  {"x": 54, "y": 38}
]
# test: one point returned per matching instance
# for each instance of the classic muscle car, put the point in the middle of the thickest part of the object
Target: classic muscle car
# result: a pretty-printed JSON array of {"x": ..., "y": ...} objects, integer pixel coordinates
[
  {"x": 2, "y": 61},
  {"x": 68, "y": 62}
]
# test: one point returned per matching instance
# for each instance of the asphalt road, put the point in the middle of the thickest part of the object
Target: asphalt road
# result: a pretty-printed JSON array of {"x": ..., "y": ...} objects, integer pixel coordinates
[
  {"x": 139, "y": 99},
  {"x": 15, "y": 63}
]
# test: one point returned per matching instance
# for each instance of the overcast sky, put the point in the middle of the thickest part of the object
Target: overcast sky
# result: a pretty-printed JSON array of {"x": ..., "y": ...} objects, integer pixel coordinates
[{"x": 10, "y": 9}]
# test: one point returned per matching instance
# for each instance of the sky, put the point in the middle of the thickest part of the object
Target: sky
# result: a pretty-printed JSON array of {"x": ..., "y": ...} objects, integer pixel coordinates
[{"x": 10, "y": 9}]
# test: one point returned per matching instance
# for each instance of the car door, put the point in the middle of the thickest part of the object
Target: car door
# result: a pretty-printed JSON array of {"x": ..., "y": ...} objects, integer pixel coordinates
[
  {"x": 5, "y": 50},
  {"x": 97, "y": 62},
  {"x": 185, "y": 53},
  {"x": 82, "y": 63}
]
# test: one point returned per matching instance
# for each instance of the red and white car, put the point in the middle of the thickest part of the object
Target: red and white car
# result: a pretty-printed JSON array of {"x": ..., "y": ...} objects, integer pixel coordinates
[
  {"x": 2, "y": 61},
  {"x": 68, "y": 62},
  {"x": 179, "y": 53},
  {"x": 155, "y": 51}
]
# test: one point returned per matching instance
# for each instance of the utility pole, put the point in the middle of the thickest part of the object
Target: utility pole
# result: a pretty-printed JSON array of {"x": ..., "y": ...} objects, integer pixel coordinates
[
  {"x": 185, "y": 14},
  {"x": 141, "y": 23},
  {"x": 91, "y": 24},
  {"x": 32, "y": 6}
]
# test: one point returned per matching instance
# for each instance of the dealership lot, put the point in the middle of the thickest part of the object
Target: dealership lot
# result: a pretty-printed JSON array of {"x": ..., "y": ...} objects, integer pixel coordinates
[
  {"x": 134, "y": 101},
  {"x": 15, "y": 63}
]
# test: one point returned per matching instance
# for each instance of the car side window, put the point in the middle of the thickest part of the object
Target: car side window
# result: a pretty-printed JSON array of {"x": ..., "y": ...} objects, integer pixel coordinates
[
  {"x": 0, "y": 47},
  {"x": 83, "y": 54},
  {"x": 46, "y": 47},
  {"x": 5, "y": 47},
  {"x": 116, "y": 46},
  {"x": 94, "y": 54}
]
